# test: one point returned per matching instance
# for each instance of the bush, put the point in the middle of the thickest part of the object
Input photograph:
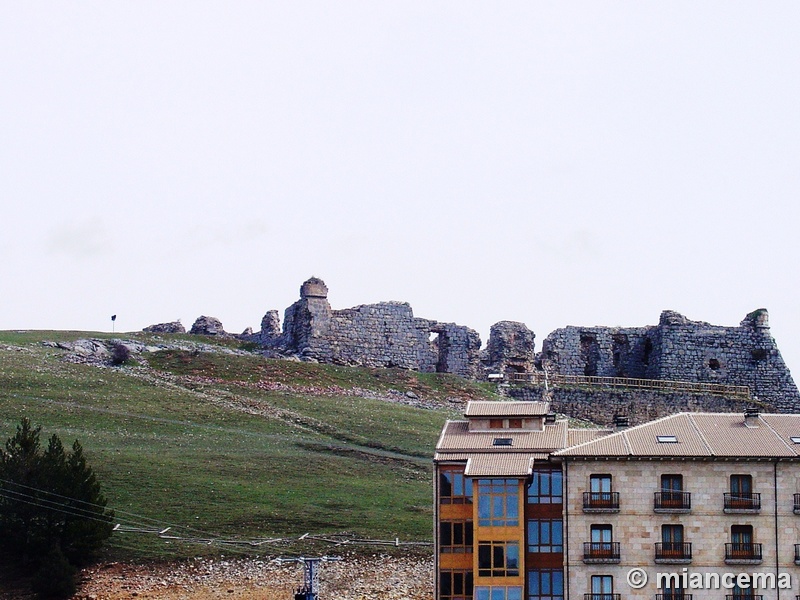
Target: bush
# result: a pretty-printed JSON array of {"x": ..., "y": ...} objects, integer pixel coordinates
[
  {"x": 120, "y": 354},
  {"x": 55, "y": 577}
]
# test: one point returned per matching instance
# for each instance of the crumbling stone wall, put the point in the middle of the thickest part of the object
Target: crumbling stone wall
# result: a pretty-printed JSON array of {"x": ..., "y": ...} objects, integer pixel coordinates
[
  {"x": 374, "y": 335},
  {"x": 510, "y": 349},
  {"x": 679, "y": 349},
  {"x": 640, "y": 406}
]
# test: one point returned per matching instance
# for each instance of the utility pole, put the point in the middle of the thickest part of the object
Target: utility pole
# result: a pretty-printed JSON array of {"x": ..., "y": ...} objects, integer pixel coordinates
[{"x": 310, "y": 589}]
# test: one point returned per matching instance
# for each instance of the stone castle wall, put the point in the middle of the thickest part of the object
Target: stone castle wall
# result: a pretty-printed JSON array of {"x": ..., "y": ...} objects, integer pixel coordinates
[
  {"x": 678, "y": 349},
  {"x": 386, "y": 334},
  {"x": 640, "y": 406}
]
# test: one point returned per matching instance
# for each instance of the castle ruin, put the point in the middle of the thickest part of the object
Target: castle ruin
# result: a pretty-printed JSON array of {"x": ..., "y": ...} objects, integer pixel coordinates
[{"x": 387, "y": 334}]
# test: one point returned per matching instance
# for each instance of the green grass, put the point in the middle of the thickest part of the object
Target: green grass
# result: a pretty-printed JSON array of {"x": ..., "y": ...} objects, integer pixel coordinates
[{"x": 212, "y": 449}]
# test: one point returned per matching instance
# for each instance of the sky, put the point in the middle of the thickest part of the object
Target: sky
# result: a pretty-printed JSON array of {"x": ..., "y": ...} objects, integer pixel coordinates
[{"x": 556, "y": 163}]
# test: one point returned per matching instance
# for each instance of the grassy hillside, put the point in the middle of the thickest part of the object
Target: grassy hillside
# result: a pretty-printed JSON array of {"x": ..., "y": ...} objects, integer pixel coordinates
[{"x": 220, "y": 445}]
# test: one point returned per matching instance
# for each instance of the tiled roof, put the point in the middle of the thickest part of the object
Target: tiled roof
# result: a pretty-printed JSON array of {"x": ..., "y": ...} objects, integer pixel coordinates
[
  {"x": 503, "y": 465},
  {"x": 579, "y": 436},
  {"x": 456, "y": 436},
  {"x": 506, "y": 409},
  {"x": 699, "y": 434}
]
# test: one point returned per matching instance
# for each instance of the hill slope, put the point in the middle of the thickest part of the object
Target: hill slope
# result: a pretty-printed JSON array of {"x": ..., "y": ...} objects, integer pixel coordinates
[{"x": 222, "y": 444}]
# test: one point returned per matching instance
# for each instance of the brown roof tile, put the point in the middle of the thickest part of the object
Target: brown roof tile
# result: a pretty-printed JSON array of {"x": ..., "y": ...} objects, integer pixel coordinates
[
  {"x": 506, "y": 409},
  {"x": 698, "y": 434},
  {"x": 499, "y": 465},
  {"x": 457, "y": 437}
]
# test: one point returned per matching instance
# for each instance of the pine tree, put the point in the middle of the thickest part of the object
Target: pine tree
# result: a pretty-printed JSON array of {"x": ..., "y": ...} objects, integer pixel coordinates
[{"x": 50, "y": 502}]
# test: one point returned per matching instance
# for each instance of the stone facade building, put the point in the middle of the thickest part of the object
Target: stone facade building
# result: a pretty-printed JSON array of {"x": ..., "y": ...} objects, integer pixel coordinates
[{"x": 527, "y": 508}]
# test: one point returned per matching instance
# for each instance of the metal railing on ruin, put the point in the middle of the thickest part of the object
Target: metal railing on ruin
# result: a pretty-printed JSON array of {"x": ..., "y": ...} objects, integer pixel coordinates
[{"x": 557, "y": 379}]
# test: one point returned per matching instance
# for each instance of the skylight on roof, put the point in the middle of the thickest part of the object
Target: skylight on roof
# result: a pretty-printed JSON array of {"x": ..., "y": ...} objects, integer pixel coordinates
[
  {"x": 667, "y": 439},
  {"x": 501, "y": 442},
  {"x": 795, "y": 439}
]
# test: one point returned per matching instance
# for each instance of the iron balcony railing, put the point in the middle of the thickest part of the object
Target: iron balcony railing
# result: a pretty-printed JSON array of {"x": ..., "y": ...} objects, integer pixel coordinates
[
  {"x": 601, "y": 597},
  {"x": 672, "y": 501},
  {"x": 744, "y": 597},
  {"x": 673, "y": 551},
  {"x": 601, "y": 501},
  {"x": 674, "y": 596},
  {"x": 742, "y": 501},
  {"x": 743, "y": 551},
  {"x": 797, "y": 504},
  {"x": 601, "y": 551}
]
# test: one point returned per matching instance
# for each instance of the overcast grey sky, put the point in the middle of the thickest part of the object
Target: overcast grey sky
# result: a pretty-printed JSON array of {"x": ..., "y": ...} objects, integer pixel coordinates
[{"x": 583, "y": 163}]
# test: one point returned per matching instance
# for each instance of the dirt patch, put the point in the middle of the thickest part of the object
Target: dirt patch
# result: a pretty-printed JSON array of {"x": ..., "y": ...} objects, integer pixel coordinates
[{"x": 353, "y": 578}]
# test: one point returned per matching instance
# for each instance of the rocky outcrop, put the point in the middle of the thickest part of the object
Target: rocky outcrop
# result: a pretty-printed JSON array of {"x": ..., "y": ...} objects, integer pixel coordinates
[
  {"x": 207, "y": 326},
  {"x": 174, "y": 327}
]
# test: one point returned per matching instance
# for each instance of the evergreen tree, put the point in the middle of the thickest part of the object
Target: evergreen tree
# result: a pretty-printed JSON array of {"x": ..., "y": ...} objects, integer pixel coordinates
[{"x": 51, "y": 504}]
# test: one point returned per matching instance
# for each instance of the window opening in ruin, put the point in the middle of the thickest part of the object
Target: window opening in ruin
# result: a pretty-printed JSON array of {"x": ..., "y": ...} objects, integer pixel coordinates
[
  {"x": 713, "y": 364},
  {"x": 759, "y": 354},
  {"x": 648, "y": 350}
]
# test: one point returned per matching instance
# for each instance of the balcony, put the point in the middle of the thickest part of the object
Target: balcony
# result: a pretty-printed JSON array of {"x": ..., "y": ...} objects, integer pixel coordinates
[
  {"x": 600, "y": 502},
  {"x": 744, "y": 597},
  {"x": 672, "y": 502},
  {"x": 601, "y": 597},
  {"x": 674, "y": 596},
  {"x": 674, "y": 553},
  {"x": 743, "y": 554},
  {"x": 601, "y": 553},
  {"x": 742, "y": 502},
  {"x": 797, "y": 504}
]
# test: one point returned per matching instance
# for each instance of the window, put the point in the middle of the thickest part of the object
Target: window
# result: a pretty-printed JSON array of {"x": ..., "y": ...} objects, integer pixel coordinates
[
  {"x": 545, "y": 536},
  {"x": 602, "y": 587},
  {"x": 546, "y": 488},
  {"x": 601, "y": 534},
  {"x": 505, "y": 423},
  {"x": 741, "y": 534},
  {"x": 498, "y": 593},
  {"x": 498, "y": 502},
  {"x": 454, "y": 488},
  {"x": 742, "y": 484},
  {"x": 672, "y": 546},
  {"x": 672, "y": 495},
  {"x": 455, "y": 537},
  {"x": 503, "y": 442},
  {"x": 498, "y": 559},
  {"x": 667, "y": 439},
  {"x": 672, "y": 593},
  {"x": 455, "y": 585},
  {"x": 495, "y": 423},
  {"x": 600, "y": 498},
  {"x": 600, "y": 484},
  {"x": 546, "y": 584},
  {"x": 795, "y": 439},
  {"x": 741, "y": 496}
]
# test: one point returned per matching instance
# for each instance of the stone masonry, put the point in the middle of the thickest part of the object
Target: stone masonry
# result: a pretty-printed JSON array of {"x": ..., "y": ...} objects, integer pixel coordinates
[
  {"x": 678, "y": 349},
  {"x": 375, "y": 335}
]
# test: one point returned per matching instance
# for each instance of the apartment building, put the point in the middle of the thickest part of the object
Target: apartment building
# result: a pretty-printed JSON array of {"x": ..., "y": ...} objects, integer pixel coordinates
[{"x": 527, "y": 508}]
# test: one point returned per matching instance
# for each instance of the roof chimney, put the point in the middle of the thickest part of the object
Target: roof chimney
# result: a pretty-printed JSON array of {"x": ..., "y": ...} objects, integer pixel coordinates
[
  {"x": 751, "y": 416},
  {"x": 620, "y": 422}
]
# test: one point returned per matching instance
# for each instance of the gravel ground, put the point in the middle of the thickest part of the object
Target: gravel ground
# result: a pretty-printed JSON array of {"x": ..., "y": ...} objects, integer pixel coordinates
[{"x": 353, "y": 578}]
